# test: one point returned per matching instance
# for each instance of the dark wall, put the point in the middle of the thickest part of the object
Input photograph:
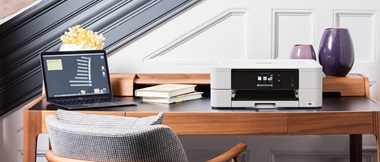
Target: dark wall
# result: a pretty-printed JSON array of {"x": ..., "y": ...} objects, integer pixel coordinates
[{"x": 39, "y": 28}]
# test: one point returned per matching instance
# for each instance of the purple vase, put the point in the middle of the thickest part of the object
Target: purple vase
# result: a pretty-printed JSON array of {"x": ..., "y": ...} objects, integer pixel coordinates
[
  {"x": 303, "y": 51},
  {"x": 336, "y": 52}
]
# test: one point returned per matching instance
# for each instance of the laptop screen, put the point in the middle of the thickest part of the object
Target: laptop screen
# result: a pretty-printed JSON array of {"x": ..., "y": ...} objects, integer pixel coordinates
[{"x": 75, "y": 74}]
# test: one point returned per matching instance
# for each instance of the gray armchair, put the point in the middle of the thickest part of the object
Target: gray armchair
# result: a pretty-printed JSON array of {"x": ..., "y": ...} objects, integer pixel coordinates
[{"x": 116, "y": 139}]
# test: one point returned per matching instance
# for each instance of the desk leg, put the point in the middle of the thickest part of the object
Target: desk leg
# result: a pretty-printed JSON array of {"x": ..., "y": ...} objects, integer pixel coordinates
[
  {"x": 378, "y": 147},
  {"x": 376, "y": 132},
  {"x": 356, "y": 148},
  {"x": 32, "y": 128}
]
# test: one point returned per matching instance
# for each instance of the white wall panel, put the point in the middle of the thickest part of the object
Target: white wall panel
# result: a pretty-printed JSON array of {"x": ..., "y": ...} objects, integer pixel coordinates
[
  {"x": 195, "y": 37},
  {"x": 12, "y": 135},
  {"x": 277, "y": 148},
  {"x": 227, "y": 37},
  {"x": 363, "y": 27},
  {"x": 291, "y": 27}
]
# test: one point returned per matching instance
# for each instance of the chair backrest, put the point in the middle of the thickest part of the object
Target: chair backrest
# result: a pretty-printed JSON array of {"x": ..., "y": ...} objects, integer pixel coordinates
[{"x": 146, "y": 143}]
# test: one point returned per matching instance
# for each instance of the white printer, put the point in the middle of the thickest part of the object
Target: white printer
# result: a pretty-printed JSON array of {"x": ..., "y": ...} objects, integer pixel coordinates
[{"x": 290, "y": 83}]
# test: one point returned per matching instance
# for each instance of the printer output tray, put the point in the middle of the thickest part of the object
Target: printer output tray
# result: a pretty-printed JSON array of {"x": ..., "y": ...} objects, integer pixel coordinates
[{"x": 265, "y": 95}]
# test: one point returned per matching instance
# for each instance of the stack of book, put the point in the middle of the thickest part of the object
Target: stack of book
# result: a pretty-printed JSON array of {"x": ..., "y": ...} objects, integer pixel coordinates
[{"x": 168, "y": 93}]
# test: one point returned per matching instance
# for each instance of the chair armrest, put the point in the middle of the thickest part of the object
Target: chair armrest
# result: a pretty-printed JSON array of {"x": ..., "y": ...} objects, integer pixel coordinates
[{"x": 231, "y": 154}]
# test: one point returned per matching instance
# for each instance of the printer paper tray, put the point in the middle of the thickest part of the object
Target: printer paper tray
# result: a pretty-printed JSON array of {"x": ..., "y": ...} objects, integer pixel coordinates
[{"x": 265, "y": 104}]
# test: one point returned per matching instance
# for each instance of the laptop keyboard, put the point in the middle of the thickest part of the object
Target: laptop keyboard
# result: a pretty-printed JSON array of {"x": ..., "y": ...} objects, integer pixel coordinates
[{"x": 87, "y": 101}]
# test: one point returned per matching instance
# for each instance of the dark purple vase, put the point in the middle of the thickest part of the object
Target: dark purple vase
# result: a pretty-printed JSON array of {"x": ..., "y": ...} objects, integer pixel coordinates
[{"x": 336, "y": 52}]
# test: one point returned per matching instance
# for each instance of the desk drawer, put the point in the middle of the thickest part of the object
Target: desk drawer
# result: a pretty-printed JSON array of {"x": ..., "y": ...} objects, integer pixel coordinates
[
  {"x": 330, "y": 123},
  {"x": 211, "y": 123}
]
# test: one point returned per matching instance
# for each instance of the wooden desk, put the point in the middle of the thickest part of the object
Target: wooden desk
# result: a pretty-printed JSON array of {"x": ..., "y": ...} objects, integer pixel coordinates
[{"x": 339, "y": 115}]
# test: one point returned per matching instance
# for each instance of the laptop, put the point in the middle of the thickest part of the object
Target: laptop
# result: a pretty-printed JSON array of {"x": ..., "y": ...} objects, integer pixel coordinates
[{"x": 78, "y": 80}]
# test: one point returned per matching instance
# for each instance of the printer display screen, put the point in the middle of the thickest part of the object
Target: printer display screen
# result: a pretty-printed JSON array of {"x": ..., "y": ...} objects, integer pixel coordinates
[
  {"x": 259, "y": 79},
  {"x": 265, "y": 80}
]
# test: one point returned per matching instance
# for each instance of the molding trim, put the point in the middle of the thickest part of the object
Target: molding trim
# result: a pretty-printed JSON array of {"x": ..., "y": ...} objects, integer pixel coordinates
[
  {"x": 373, "y": 26},
  {"x": 277, "y": 13},
  {"x": 154, "y": 57},
  {"x": 39, "y": 28},
  {"x": 367, "y": 156}
]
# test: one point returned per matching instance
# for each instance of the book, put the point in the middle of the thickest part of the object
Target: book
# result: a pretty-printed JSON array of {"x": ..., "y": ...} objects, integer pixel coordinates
[
  {"x": 174, "y": 99},
  {"x": 165, "y": 90}
]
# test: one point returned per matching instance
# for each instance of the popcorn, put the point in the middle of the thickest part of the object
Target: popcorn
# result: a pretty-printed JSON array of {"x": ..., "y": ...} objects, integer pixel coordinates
[{"x": 81, "y": 37}]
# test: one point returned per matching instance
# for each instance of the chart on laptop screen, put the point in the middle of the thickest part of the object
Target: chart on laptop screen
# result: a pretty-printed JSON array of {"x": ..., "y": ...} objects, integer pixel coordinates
[{"x": 76, "y": 74}]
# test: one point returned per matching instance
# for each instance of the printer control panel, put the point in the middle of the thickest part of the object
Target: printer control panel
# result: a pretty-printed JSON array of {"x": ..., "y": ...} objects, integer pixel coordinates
[{"x": 265, "y": 79}]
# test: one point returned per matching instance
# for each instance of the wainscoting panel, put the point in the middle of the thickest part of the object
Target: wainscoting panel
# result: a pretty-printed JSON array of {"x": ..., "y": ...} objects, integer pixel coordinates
[
  {"x": 318, "y": 157},
  {"x": 189, "y": 48},
  {"x": 291, "y": 27},
  {"x": 332, "y": 148},
  {"x": 364, "y": 36}
]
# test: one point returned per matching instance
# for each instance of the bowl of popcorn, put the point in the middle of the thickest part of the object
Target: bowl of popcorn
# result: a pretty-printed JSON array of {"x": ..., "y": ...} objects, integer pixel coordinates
[{"x": 78, "y": 38}]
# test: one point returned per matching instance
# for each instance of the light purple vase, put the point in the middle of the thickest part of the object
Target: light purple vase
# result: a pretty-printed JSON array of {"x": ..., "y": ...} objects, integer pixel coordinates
[
  {"x": 303, "y": 51},
  {"x": 336, "y": 52}
]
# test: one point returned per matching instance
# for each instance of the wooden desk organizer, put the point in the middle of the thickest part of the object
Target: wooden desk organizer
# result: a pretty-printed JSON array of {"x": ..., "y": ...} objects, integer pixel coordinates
[
  {"x": 351, "y": 85},
  {"x": 123, "y": 84}
]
